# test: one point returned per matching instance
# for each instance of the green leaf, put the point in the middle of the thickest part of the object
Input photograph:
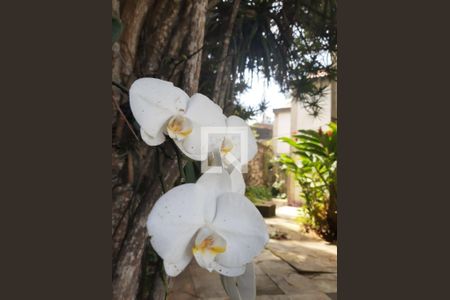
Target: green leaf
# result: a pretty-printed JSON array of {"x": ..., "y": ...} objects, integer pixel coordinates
[
  {"x": 311, "y": 133},
  {"x": 116, "y": 29},
  {"x": 314, "y": 146},
  {"x": 303, "y": 154},
  {"x": 308, "y": 137},
  {"x": 289, "y": 141},
  {"x": 189, "y": 171}
]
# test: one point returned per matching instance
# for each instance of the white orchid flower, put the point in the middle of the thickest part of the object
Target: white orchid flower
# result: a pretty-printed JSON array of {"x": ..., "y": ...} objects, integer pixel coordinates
[
  {"x": 237, "y": 182},
  {"x": 207, "y": 220},
  {"x": 239, "y": 144},
  {"x": 162, "y": 109}
]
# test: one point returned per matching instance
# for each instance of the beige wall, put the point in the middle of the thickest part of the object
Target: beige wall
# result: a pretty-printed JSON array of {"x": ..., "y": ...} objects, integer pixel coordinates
[
  {"x": 334, "y": 112},
  {"x": 303, "y": 120},
  {"x": 281, "y": 128}
]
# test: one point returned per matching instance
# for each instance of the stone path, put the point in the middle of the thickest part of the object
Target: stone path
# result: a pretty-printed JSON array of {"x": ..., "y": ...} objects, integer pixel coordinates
[{"x": 298, "y": 266}]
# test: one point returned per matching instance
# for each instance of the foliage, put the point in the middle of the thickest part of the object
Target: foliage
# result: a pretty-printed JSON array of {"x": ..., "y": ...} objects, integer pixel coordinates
[
  {"x": 315, "y": 168},
  {"x": 293, "y": 42},
  {"x": 258, "y": 194},
  {"x": 279, "y": 186},
  {"x": 249, "y": 112}
]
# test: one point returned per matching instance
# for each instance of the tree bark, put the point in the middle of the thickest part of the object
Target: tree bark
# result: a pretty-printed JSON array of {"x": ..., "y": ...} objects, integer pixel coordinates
[
  {"x": 191, "y": 74},
  {"x": 224, "y": 90},
  {"x": 154, "y": 32},
  {"x": 218, "y": 85},
  {"x": 133, "y": 17},
  {"x": 160, "y": 37}
]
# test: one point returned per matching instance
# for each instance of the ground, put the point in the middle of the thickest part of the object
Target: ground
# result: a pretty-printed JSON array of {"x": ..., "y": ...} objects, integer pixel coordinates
[{"x": 294, "y": 266}]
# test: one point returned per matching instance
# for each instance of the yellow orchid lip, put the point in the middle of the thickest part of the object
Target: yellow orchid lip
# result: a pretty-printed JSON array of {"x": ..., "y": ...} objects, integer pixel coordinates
[
  {"x": 179, "y": 127},
  {"x": 217, "y": 249},
  {"x": 208, "y": 245},
  {"x": 185, "y": 133},
  {"x": 226, "y": 146},
  {"x": 226, "y": 150}
]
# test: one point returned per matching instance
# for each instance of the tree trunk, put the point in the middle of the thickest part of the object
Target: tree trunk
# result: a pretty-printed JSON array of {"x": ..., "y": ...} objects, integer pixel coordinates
[
  {"x": 194, "y": 46},
  {"x": 154, "y": 42},
  {"x": 221, "y": 72}
]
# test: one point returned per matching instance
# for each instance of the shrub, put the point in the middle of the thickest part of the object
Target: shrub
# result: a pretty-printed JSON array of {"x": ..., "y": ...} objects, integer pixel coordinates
[
  {"x": 314, "y": 165},
  {"x": 258, "y": 194}
]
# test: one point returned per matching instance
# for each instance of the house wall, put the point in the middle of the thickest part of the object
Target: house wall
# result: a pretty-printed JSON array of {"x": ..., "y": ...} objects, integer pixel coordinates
[
  {"x": 301, "y": 119},
  {"x": 334, "y": 112},
  {"x": 281, "y": 128}
]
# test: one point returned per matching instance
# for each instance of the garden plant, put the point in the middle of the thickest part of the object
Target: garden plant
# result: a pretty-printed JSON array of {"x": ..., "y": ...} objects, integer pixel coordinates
[{"x": 314, "y": 165}]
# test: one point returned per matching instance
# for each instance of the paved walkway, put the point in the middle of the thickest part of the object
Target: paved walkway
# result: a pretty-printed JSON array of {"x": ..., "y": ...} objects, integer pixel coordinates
[{"x": 294, "y": 266}]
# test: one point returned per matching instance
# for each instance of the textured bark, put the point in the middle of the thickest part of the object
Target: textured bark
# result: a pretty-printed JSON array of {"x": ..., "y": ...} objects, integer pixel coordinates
[
  {"x": 181, "y": 31},
  {"x": 176, "y": 44},
  {"x": 133, "y": 17},
  {"x": 191, "y": 73},
  {"x": 228, "y": 107},
  {"x": 116, "y": 62},
  {"x": 160, "y": 37},
  {"x": 225, "y": 87},
  {"x": 155, "y": 32},
  {"x": 221, "y": 72},
  {"x": 126, "y": 280}
]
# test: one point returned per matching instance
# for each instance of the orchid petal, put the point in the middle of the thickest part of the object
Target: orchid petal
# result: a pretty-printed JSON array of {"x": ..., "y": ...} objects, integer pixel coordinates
[
  {"x": 228, "y": 271},
  {"x": 237, "y": 182},
  {"x": 152, "y": 141},
  {"x": 174, "y": 269},
  {"x": 172, "y": 224},
  {"x": 154, "y": 101},
  {"x": 202, "y": 112},
  {"x": 191, "y": 145},
  {"x": 241, "y": 225},
  {"x": 212, "y": 185}
]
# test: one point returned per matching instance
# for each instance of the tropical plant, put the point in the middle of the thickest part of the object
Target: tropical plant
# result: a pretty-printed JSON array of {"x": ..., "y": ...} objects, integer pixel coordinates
[{"x": 314, "y": 165}]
